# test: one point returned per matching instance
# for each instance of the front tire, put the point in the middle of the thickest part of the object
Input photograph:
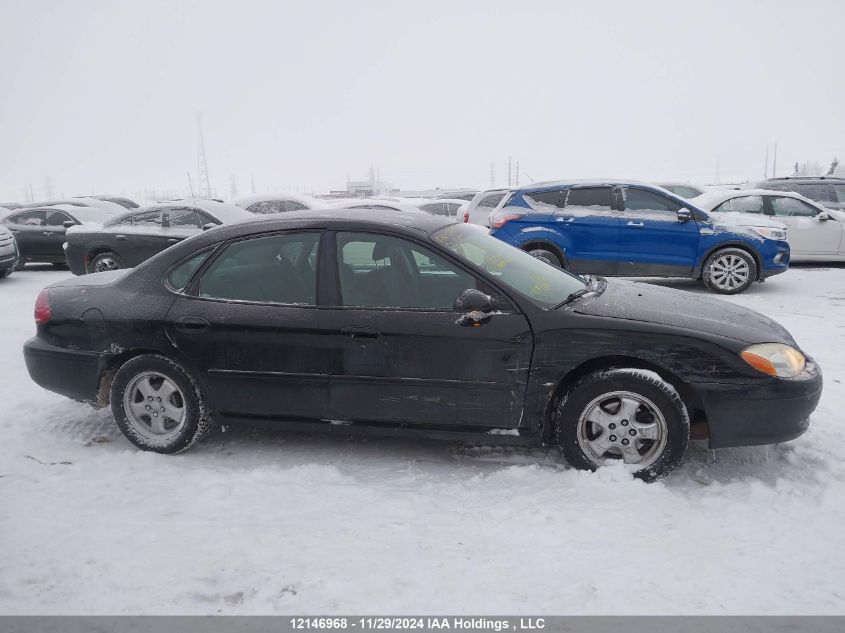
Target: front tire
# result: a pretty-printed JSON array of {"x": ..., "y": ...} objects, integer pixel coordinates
[
  {"x": 158, "y": 406},
  {"x": 729, "y": 271},
  {"x": 623, "y": 415},
  {"x": 104, "y": 262},
  {"x": 547, "y": 256}
]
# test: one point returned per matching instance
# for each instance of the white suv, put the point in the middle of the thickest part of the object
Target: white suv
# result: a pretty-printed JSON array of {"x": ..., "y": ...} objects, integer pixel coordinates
[{"x": 484, "y": 203}]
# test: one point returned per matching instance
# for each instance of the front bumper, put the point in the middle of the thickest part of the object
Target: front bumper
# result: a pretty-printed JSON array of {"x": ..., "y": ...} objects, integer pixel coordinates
[
  {"x": 775, "y": 259},
  {"x": 778, "y": 410},
  {"x": 77, "y": 258},
  {"x": 72, "y": 373}
]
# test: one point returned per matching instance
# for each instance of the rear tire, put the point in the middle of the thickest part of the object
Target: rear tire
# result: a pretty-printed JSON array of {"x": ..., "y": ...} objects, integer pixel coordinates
[
  {"x": 104, "y": 262},
  {"x": 158, "y": 406},
  {"x": 547, "y": 256},
  {"x": 625, "y": 415},
  {"x": 729, "y": 271},
  {"x": 6, "y": 272}
]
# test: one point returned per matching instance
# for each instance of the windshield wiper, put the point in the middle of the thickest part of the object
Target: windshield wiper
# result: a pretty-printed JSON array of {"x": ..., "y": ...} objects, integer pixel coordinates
[{"x": 572, "y": 296}]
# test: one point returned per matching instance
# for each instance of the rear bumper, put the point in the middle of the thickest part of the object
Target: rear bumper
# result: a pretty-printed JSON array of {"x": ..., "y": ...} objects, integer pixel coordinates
[
  {"x": 72, "y": 373},
  {"x": 776, "y": 411}
]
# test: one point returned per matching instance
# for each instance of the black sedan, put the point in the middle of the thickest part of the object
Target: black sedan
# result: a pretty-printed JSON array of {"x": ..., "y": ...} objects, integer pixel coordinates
[
  {"x": 40, "y": 231},
  {"x": 393, "y": 323},
  {"x": 131, "y": 238}
]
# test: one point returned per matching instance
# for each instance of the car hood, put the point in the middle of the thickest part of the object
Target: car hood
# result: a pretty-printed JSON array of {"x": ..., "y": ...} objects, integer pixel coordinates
[
  {"x": 648, "y": 303},
  {"x": 733, "y": 219}
]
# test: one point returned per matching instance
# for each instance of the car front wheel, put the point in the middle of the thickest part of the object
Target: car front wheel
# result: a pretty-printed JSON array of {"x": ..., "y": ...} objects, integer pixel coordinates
[
  {"x": 104, "y": 262},
  {"x": 729, "y": 271},
  {"x": 158, "y": 406},
  {"x": 547, "y": 256},
  {"x": 623, "y": 415}
]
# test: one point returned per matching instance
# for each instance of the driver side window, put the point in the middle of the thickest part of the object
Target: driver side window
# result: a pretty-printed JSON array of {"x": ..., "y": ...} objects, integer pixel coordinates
[
  {"x": 380, "y": 271},
  {"x": 272, "y": 269}
]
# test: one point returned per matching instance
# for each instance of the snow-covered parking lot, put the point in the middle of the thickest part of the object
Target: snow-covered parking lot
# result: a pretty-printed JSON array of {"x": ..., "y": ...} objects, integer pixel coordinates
[{"x": 259, "y": 522}]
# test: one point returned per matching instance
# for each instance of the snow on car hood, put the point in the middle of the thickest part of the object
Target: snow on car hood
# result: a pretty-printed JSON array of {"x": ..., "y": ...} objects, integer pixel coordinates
[
  {"x": 637, "y": 301},
  {"x": 733, "y": 219}
]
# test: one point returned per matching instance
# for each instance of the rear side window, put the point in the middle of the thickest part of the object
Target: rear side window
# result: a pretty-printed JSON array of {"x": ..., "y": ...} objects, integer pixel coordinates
[
  {"x": 745, "y": 204},
  {"x": 293, "y": 205},
  {"x": 185, "y": 217},
  {"x": 594, "y": 200},
  {"x": 272, "y": 269},
  {"x": 29, "y": 218},
  {"x": 555, "y": 198},
  {"x": 790, "y": 207},
  {"x": 820, "y": 192},
  {"x": 146, "y": 217},
  {"x": 181, "y": 275},
  {"x": 57, "y": 218},
  {"x": 267, "y": 207},
  {"x": 491, "y": 201},
  {"x": 840, "y": 193}
]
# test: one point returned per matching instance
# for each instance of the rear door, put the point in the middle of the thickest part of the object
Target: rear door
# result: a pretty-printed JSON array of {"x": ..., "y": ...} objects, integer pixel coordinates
[
  {"x": 249, "y": 322},
  {"x": 29, "y": 228},
  {"x": 807, "y": 234},
  {"x": 54, "y": 234},
  {"x": 401, "y": 355},
  {"x": 587, "y": 228},
  {"x": 139, "y": 237},
  {"x": 652, "y": 240}
]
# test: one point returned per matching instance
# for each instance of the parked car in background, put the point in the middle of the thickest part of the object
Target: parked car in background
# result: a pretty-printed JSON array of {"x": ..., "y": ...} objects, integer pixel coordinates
[
  {"x": 126, "y": 203},
  {"x": 827, "y": 191},
  {"x": 269, "y": 203},
  {"x": 105, "y": 205},
  {"x": 8, "y": 252},
  {"x": 683, "y": 189},
  {"x": 483, "y": 204},
  {"x": 460, "y": 194},
  {"x": 40, "y": 231},
  {"x": 419, "y": 327},
  {"x": 127, "y": 240},
  {"x": 375, "y": 203},
  {"x": 637, "y": 229},
  {"x": 447, "y": 207},
  {"x": 815, "y": 233}
]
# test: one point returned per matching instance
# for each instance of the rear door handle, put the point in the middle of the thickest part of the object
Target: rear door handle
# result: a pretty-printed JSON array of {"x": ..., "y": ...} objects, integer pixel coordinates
[
  {"x": 172, "y": 240},
  {"x": 191, "y": 324},
  {"x": 567, "y": 220},
  {"x": 359, "y": 332},
  {"x": 120, "y": 237},
  {"x": 636, "y": 225}
]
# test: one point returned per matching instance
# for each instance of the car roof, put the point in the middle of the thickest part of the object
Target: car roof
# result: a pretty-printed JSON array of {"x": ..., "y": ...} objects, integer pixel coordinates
[
  {"x": 584, "y": 181},
  {"x": 710, "y": 199},
  {"x": 805, "y": 180},
  {"x": 245, "y": 201}
]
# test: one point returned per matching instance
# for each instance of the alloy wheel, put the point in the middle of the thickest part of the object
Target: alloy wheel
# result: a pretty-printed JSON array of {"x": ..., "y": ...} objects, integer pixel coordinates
[{"x": 154, "y": 405}]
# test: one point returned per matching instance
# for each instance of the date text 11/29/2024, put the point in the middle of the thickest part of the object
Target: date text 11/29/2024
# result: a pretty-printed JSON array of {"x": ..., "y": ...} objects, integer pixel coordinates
[{"x": 417, "y": 623}]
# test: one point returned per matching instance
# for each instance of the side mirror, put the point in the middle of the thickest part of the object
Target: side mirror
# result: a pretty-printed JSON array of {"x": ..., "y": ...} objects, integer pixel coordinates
[
  {"x": 684, "y": 215},
  {"x": 68, "y": 223},
  {"x": 824, "y": 216},
  {"x": 209, "y": 225},
  {"x": 475, "y": 306}
]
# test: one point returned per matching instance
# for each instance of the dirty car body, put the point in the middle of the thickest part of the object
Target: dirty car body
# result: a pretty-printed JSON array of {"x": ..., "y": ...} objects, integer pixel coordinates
[{"x": 372, "y": 339}]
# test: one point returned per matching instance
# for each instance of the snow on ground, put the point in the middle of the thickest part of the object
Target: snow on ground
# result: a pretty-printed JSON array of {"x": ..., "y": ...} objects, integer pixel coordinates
[{"x": 259, "y": 522}]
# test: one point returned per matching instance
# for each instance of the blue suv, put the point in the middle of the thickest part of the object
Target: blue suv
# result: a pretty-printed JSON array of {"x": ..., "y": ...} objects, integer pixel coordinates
[{"x": 636, "y": 229}]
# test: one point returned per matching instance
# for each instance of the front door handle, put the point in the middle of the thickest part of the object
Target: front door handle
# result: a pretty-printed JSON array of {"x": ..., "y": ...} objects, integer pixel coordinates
[
  {"x": 191, "y": 324},
  {"x": 636, "y": 225},
  {"x": 360, "y": 332},
  {"x": 567, "y": 220},
  {"x": 172, "y": 240},
  {"x": 120, "y": 237}
]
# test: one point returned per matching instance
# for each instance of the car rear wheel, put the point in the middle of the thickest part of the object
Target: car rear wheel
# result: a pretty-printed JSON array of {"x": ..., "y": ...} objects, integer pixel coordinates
[
  {"x": 623, "y": 415},
  {"x": 105, "y": 261},
  {"x": 547, "y": 256},
  {"x": 729, "y": 271},
  {"x": 6, "y": 272},
  {"x": 157, "y": 405}
]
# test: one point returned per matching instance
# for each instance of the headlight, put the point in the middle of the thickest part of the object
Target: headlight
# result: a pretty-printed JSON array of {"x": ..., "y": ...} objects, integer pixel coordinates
[
  {"x": 775, "y": 359},
  {"x": 769, "y": 232}
]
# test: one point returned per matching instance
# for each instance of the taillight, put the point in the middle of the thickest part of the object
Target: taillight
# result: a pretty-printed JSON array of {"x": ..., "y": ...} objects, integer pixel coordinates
[
  {"x": 43, "y": 311},
  {"x": 499, "y": 220},
  {"x": 466, "y": 217}
]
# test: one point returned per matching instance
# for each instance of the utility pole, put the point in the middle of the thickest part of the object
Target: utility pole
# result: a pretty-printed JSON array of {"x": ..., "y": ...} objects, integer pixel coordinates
[
  {"x": 509, "y": 171},
  {"x": 775, "y": 161},
  {"x": 766, "y": 163},
  {"x": 203, "y": 185},
  {"x": 516, "y": 176}
]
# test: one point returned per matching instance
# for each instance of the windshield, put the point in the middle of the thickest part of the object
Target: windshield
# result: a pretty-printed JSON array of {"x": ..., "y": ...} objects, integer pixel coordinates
[
  {"x": 544, "y": 284},
  {"x": 91, "y": 214}
]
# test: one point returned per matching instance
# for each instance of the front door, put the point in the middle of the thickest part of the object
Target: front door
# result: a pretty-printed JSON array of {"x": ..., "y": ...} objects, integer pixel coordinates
[
  {"x": 808, "y": 236},
  {"x": 250, "y": 323},
  {"x": 401, "y": 355},
  {"x": 652, "y": 240},
  {"x": 54, "y": 235},
  {"x": 28, "y": 228}
]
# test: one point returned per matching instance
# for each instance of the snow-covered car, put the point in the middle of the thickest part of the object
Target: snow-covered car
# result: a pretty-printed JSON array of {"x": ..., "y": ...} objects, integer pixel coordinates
[
  {"x": 815, "y": 233},
  {"x": 8, "y": 252},
  {"x": 270, "y": 203},
  {"x": 828, "y": 191},
  {"x": 418, "y": 327},
  {"x": 683, "y": 189},
  {"x": 458, "y": 194},
  {"x": 448, "y": 207},
  {"x": 375, "y": 203},
  {"x": 40, "y": 231},
  {"x": 483, "y": 204},
  {"x": 127, "y": 240}
]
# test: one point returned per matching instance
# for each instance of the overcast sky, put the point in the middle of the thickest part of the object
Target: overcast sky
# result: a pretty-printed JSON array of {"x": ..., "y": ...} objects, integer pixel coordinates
[{"x": 103, "y": 96}]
